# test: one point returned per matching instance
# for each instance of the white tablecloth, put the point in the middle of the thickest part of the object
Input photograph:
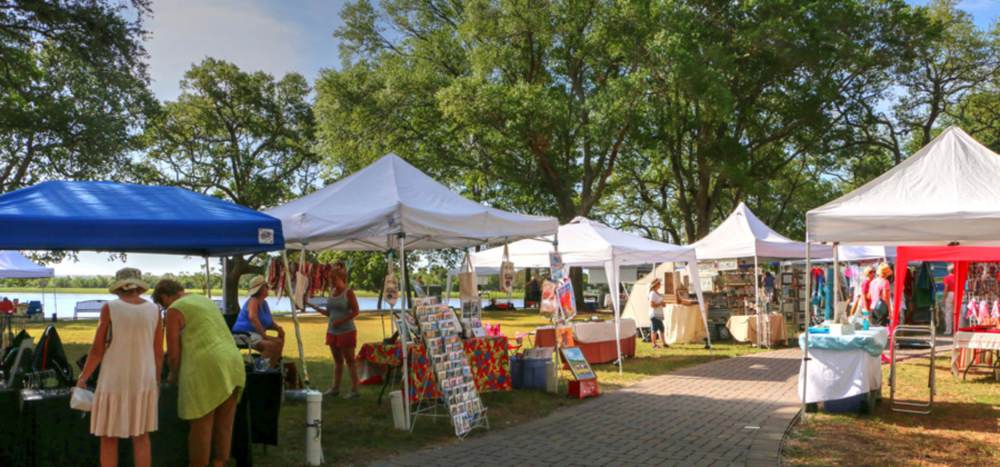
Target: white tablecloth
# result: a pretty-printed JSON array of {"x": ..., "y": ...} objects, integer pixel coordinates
[
  {"x": 838, "y": 374},
  {"x": 683, "y": 324},
  {"x": 601, "y": 331},
  {"x": 977, "y": 340},
  {"x": 743, "y": 328}
]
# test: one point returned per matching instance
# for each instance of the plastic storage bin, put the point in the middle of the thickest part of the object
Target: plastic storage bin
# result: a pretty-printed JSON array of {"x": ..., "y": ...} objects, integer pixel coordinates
[{"x": 528, "y": 373}]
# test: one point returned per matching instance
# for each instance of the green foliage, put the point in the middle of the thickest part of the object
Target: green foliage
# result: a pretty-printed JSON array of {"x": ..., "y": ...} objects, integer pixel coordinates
[{"x": 73, "y": 94}]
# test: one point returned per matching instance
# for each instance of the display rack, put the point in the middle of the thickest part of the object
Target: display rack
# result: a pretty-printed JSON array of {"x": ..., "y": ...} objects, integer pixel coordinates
[
  {"x": 441, "y": 333},
  {"x": 792, "y": 299},
  {"x": 734, "y": 292}
]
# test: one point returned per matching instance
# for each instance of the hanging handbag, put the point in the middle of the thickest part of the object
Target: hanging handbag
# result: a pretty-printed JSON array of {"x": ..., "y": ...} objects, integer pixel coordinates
[
  {"x": 390, "y": 287},
  {"x": 506, "y": 272},
  {"x": 468, "y": 288}
]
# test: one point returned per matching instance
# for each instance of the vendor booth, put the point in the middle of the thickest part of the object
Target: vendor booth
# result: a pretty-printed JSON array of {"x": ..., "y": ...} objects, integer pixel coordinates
[
  {"x": 391, "y": 206},
  {"x": 39, "y": 426},
  {"x": 737, "y": 290},
  {"x": 13, "y": 265},
  {"x": 586, "y": 243},
  {"x": 938, "y": 204},
  {"x": 683, "y": 323}
]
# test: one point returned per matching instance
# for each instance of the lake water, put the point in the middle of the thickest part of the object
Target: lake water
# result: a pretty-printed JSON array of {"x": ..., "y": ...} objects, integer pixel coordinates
[{"x": 62, "y": 304}]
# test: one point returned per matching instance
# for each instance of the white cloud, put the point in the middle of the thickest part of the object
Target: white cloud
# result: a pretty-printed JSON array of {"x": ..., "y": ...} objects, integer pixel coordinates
[{"x": 243, "y": 32}]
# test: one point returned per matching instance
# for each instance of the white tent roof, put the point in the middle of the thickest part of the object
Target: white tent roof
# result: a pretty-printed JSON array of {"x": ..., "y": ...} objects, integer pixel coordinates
[
  {"x": 743, "y": 235},
  {"x": 586, "y": 243},
  {"x": 13, "y": 265},
  {"x": 390, "y": 196},
  {"x": 945, "y": 192}
]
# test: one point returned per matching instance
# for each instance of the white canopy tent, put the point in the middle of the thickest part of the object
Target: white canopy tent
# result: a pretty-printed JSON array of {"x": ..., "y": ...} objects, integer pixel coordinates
[
  {"x": 637, "y": 306},
  {"x": 14, "y": 265},
  {"x": 391, "y": 205},
  {"x": 587, "y": 243},
  {"x": 744, "y": 235},
  {"x": 943, "y": 194}
]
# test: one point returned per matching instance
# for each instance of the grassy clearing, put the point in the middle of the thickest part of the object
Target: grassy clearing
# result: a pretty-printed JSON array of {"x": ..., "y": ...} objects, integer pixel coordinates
[
  {"x": 962, "y": 430},
  {"x": 361, "y": 431}
]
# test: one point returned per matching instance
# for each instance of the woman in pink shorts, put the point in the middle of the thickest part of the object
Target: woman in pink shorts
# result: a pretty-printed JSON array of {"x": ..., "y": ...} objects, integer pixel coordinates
[{"x": 341, "y": 334}]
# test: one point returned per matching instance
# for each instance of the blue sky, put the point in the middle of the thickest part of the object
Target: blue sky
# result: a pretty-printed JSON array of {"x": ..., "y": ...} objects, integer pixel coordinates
[{"x": 277, "y": 36}]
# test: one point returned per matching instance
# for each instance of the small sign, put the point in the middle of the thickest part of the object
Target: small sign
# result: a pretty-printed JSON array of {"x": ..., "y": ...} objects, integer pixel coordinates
[
  {"x": 577, "y": 363},
  {"x": 265, "y": 236}
]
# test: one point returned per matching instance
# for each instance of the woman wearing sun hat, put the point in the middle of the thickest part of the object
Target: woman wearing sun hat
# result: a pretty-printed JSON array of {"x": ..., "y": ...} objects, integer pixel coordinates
[
  {"x": 128, "y": 346},
  {"x": 255, "y": 319},
  {"x": 207, "y": 367}
]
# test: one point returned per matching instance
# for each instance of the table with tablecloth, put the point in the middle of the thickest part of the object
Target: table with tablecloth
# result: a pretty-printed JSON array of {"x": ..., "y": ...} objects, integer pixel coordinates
[
  {"x": 487, "y": 358},
  {"x": 683, "y": 324},
  {"x": 744, "y": 328},
  {"x": 974, "y": 348},
  {"x": 843, "y": 366},
  {"x": 596, "y": 339}
]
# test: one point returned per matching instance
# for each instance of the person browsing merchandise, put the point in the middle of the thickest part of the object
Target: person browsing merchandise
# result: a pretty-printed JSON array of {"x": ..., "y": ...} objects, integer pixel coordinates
[
  {"x": 656, "y": 314},
  {"x": 341, "y": 334}
]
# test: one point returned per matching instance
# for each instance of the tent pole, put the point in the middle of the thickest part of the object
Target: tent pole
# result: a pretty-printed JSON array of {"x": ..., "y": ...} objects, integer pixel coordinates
[
  {"x": 404, "y": 332},
  {"x": 615, "y": 299},
  {"x": 225, "y": 271},
  {"x": 836, "y": 283},
  {"x": 208, "y": 279},
  {"x": 805, "y": 336},
  {"x": 295, "y": 318},
  {"x": 756, "y": 299}
]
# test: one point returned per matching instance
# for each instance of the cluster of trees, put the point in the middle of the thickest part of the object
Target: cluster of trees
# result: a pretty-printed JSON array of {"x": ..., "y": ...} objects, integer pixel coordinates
[
  {"x": 653, "y": 116},
  {"x": 191, "y": 281}
]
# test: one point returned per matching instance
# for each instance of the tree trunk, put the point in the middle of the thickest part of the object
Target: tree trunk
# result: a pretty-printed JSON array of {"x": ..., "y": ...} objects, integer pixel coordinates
[
  {"x": 576, "y": 276},
  {"x": 238, "y": 266}
]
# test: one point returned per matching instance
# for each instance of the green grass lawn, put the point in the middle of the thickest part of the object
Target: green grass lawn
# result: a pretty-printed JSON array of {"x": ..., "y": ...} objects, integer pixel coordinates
[
  {"x": 361, "y": 431},
  {"x": 961, "y": 430}
]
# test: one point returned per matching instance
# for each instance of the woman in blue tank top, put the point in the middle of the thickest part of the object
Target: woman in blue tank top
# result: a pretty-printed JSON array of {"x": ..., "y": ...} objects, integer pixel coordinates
[{"x": 255, "y": 319}]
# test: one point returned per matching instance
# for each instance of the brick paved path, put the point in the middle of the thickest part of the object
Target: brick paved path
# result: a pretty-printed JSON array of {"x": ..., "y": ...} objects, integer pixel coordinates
[{"x": 728, "y": 412}]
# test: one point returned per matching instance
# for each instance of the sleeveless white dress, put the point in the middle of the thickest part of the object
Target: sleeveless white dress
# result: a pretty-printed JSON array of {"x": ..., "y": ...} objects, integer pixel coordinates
[{"x": 125, "y": 401}]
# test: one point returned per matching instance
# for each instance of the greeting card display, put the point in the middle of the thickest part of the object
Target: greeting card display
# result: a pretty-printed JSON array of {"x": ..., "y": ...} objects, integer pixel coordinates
[
  {"x": 440, "y": 330},
  {"x": 472, "y": 319}
]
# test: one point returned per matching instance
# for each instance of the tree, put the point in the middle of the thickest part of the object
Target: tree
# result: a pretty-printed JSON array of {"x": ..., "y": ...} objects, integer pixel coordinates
[
  {"x": 744, "y": 102},
  {"x": 978, "y": 111},
  {"x": 73, "y": 91},
  {"x": 242, "y": 136},
  {"x": 526, "y": 104}
]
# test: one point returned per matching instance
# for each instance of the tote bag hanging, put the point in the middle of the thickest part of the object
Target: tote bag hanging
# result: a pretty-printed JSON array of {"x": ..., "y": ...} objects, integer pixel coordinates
[
  {"x": 468, "y": 289},
  {"x": 390, "y": 288},
  {"x": 506, "y": 272}
]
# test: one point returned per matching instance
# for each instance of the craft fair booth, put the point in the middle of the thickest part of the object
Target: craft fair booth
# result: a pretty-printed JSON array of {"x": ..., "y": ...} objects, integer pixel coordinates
[
  {"x": 938, "y": 204},
  {"x": 391, "y": 206},
  {"x": 734, "y": 252},
  {"x": 586, "y": 243},
  {"x": 683, "y": 321},
  {"x": 14, "y": 265},
  {"x": 39, "y": 427}
]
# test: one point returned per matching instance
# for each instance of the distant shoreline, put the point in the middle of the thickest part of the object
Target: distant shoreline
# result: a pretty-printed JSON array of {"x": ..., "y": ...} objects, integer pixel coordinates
[{"x": 215, "y": 292}]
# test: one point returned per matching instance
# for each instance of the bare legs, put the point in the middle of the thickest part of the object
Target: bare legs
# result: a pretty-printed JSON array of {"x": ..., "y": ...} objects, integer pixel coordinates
[
  {"x": 213, "y": 432},
  {"x": 340, "y": 358},
  {"x": 271, "y": 348},
  {"x": 140, "y": 451}
]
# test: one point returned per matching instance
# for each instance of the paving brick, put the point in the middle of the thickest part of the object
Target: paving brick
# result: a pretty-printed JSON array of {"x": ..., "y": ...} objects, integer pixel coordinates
[{"x": 694, "y": 416}]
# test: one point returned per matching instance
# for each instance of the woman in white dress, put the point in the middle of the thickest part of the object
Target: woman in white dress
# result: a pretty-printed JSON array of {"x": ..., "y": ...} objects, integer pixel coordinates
[{"x": 128, "y": 346}]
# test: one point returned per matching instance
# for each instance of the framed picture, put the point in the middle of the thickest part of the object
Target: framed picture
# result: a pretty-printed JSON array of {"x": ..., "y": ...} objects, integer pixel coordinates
[{"x": 577, "y": 363}]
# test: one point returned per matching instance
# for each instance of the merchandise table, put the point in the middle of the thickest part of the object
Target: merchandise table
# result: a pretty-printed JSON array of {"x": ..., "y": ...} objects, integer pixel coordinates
[
  {"x": 683, "y": 324},
  {"x": 44, "y": 431},
  {"x": 487, "y": 357},
  {"x": 596, "y": 339},
  {"x": 744, "y": 328},
  {"x": 974, "y": 348},
  {"x": 843, "y": 366}
]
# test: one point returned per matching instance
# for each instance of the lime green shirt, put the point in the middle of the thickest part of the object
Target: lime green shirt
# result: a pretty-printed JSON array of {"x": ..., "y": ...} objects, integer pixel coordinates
[{"x": 211, "y": 365}]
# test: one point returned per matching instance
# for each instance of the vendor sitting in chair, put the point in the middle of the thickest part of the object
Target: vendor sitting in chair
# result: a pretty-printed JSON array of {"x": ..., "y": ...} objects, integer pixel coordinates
[{"x": 255, "y": 320}]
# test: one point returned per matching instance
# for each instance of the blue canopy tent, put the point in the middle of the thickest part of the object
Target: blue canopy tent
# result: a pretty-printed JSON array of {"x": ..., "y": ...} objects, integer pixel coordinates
[{"x": 118, "y": 217}]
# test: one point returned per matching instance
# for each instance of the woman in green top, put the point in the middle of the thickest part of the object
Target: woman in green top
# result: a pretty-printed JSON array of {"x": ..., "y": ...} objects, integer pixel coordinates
[{"x": 205, "y": 361}]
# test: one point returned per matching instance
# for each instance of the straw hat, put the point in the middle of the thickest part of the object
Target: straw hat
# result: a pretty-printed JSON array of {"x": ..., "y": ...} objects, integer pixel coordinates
[
  {"x": 256, "y": 283},
  {"x": 655, "y": 284},
  {"x": 127, "y": 279}
]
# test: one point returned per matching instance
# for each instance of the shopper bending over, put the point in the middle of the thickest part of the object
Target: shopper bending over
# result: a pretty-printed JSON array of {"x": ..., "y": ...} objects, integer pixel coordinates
[
  {"x": 656, "y": 314},
  {"x": 255, "y": 319},
  {"x": 128, "y": 346},
  {"x": 341, "y": 335},
  {"x": 206, "y": 364}
]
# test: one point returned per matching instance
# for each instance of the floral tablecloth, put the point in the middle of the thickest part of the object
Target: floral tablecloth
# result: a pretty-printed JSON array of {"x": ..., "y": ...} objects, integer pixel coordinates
[{"x": 487, "y": 358}]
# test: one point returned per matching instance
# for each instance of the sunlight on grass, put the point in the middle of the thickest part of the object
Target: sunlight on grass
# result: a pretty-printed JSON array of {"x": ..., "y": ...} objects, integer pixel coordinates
[
  {"x": 962, "y": 430},
  {"x": 361, "y": 431}
]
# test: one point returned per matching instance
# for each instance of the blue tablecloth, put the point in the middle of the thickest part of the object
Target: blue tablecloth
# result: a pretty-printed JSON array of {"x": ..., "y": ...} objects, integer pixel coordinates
[{"x": 872, "y": 341}]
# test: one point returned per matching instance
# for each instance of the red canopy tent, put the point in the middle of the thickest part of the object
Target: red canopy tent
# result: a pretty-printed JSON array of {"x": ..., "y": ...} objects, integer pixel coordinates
[{"x": 960, "y": 255}]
